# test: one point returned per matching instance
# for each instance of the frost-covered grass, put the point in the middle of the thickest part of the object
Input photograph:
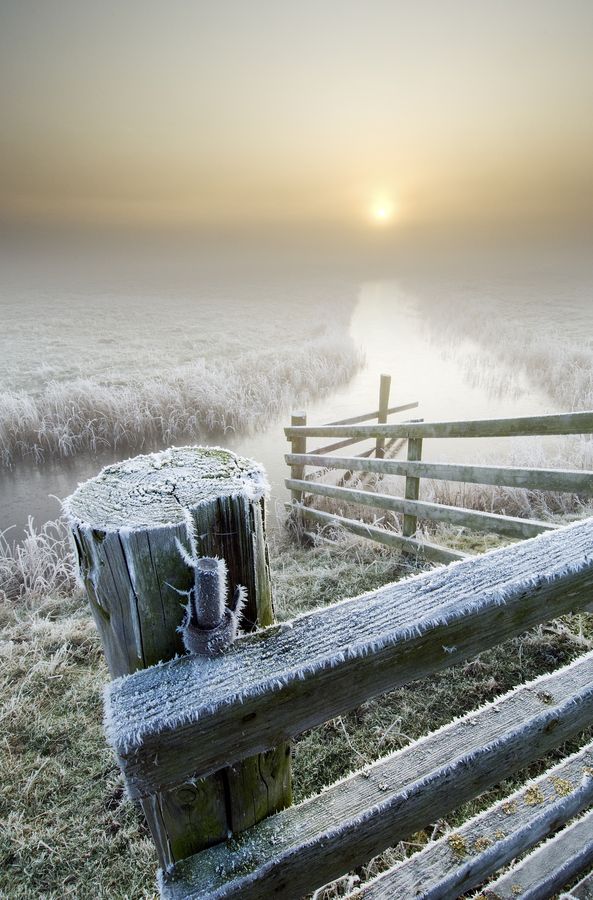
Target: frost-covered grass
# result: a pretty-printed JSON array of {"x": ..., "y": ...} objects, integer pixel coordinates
[
  {"x": 67, "y": 831},
  {"x": 531, "y": 330},
  {"x": 159, "y": 353},
  {"x": 71, "y": 833},
  {"x": 39, "y": 565},
  {"x": 208, "y": 397}
]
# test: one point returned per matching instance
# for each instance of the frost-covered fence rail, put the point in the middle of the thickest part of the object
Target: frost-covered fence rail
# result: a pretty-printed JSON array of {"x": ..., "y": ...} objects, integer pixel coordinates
[
  {"x": 188, "y": 717},
  {"x": 413, "y": 469}
]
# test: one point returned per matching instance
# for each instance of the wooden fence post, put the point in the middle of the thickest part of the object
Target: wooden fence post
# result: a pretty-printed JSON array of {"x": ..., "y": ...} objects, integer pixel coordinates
[
  {"x": 384, "y": 389},
  {"x": 299, "y": 445},
  {"x": 412, "y": 486},
  {"x": 128, "y": 524}
]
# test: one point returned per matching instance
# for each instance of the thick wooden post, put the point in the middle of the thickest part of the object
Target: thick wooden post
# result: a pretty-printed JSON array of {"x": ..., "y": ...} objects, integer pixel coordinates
[
  {"x": 299, "y": 445},
  {"x": 127, "y": 525},
  {"x": 412, "y": 486},
  {"x": 384, "y": 390}
]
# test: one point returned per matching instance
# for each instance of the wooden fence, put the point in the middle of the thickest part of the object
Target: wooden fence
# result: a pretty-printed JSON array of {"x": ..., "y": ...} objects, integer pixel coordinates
[
  {"x": 188, "y": 717},
  {"x": 351, "y": 431}
]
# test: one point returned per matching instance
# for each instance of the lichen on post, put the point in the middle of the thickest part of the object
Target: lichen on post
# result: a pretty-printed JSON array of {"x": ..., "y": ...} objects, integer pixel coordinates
[{"x": 129, "y": 524}]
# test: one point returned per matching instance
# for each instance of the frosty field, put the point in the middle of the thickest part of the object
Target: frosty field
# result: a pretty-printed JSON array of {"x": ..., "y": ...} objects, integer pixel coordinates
[
  {"x": 95, "y": 368},
  {"x": 92, "y": 373}
]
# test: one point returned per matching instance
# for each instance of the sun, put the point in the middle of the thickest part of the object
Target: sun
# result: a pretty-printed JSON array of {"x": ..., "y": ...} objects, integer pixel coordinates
[{"x": 382, "y": 211}]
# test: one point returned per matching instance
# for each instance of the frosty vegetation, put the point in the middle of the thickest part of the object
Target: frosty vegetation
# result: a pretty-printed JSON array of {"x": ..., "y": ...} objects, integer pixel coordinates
[
  {"x": 535, "y": 335},
  {"x": 40, "y": 564},
  {"x": 211, "y": 396}
]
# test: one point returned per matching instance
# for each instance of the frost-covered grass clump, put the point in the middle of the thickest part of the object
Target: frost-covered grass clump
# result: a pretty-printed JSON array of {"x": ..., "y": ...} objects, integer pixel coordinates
[
  {"x": 39, "y": 565},
  {"x": 209, "y": 397}
]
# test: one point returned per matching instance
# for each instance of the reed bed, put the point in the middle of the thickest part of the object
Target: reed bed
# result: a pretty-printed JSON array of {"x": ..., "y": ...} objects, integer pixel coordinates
[
  {"x": 522, "y": 342},
  {"x": 208, "y": 397}
]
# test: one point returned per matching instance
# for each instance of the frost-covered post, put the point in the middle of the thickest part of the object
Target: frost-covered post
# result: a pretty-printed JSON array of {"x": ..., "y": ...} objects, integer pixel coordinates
[
  {"x": 142, "y": 529},
  {"x": 410, "y": 523},
  {"x": 299, "y": 445},
  {"x": 384, "y": 390}
]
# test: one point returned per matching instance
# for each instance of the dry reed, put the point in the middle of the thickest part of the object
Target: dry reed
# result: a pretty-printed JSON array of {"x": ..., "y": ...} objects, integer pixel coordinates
[{"x": 208, "y": 397}]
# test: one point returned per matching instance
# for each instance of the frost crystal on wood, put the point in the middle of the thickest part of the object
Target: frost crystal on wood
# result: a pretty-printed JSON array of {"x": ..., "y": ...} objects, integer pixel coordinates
[
  {"x": 464, "y": 608},
  {"x": 209, "y": 627}
]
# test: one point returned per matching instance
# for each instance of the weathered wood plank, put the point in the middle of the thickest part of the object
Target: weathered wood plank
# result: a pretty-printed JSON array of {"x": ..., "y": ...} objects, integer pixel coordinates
[
  {"x": 577, "y": 481},
  {"x": 565, "y": 423},
  {"x": 299, "y": 447},
  {"x": 189, "y": 716},
  {"x": 412, "y": 488},
  {"x": 365, "y": 417},
  {"x": 511, "y": 526},
  {"x": 541, "y": 874},
  {"x": 384, "y": 389},
  {"x": 126, "y": 523},
  {"x": 293, "y": 852},
  {"x": 461, "y": 860},
  {"x": 339, "y": 445},
  {"x": 581, "y": 891},
  {"x": 390, "y": 538}
]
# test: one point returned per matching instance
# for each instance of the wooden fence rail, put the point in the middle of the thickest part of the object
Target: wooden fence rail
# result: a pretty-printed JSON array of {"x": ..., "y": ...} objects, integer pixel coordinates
[
  {"x": 439, "y": 512},
  {"x": 423, "y": 549},
  {"x": 190, "y": 716},
  {"x": 184, "y": 719},
  {"x": 413, "y": 469},
  {"x": 523, "y": 426},
  {"x": 575, "y": 481},
  {"x": 293, "y": 852}
]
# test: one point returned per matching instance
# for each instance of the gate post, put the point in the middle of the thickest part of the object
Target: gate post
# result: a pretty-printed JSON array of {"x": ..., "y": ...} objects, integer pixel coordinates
[{"x": 137, "y": 527}]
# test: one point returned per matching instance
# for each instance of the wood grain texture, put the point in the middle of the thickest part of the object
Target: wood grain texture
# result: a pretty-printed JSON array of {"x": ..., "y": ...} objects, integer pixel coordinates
[
  {"x": 125, "y": 524},
  {"x": 132, "y": 575},
  {"x": 583, "y": 890},
  {"x": 511, "y": 526},
  {"x": 190, "y": 716},
  {"x": 577, "y": 481},
  {"x": 383, "y": 413},
  {"x": 541, "y": 874},
  {"x": 412, "y": 487},
  {"x": 291, "y": 853},
  {"x": 421, "y": 549},
  {"x": 339, "y": 445},
  {"x": 566, "y": 423},
  {"x": 299, "y": 446},
  {"x": 461, "y": 860}
]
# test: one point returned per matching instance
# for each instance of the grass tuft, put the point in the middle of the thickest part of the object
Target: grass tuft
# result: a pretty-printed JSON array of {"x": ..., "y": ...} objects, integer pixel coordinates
[{"x": 39, "y": 565}]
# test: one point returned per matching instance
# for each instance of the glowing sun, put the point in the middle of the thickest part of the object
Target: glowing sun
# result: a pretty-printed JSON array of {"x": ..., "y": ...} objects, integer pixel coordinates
[{"x": 382, "y": 212}]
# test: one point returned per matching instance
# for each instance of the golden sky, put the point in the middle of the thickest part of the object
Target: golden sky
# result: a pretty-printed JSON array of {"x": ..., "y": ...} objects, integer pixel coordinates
[{"x": 192, "y": 112}]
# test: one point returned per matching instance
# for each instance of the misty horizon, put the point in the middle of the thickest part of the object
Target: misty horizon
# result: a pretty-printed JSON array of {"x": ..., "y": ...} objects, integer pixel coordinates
[{"x": 333, "y": 116}]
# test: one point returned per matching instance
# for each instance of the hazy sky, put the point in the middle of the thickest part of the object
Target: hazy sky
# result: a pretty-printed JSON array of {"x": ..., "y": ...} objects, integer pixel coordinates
[{"x": 183, "y": 111}]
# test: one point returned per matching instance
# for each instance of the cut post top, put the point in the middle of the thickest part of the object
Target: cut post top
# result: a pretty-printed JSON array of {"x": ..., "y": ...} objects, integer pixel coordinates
[{"x": 157, "y": 489}]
